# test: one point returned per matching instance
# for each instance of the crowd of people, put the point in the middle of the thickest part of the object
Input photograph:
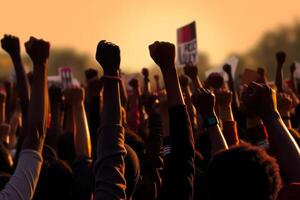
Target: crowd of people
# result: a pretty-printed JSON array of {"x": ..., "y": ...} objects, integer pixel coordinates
[{"x": 188, "y": 140}]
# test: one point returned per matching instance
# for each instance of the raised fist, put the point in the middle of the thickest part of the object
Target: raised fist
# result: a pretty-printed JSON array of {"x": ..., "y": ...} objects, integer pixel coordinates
[
  {"x": 184, "y": 81},
  {"x": 284, "y": 102},
  {"x": 74, "y": 95},
  {"x": 11, "y": 45},
  {"x": 108, "y": 56},
  {"x": 134, "y": 83},
  {"x": 204, "y": 102},
  {"x": 223, "y": 97},
  {"x": 215, "y": 81},
  {"x": 145, "y": 72},
  {"x": 163, "y": 54},
  {"x": 227, "y": 69},
  {"x": 38, "y": 50},
  {"x": 280, "y": 57},
  {"x": 260, "y": 99},
  {"x": 91, "y": 73},
  {"x": 191, "y": 71}
]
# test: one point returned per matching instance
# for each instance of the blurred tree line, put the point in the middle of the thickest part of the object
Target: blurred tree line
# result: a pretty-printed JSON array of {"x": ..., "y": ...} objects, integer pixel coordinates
[{"x": 262, "y": 54}]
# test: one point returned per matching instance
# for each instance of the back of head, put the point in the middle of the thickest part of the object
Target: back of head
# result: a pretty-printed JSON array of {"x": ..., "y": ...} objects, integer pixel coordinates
[
  {"x": 55, "y": 182},
  {"x": 243, "y": 172}
]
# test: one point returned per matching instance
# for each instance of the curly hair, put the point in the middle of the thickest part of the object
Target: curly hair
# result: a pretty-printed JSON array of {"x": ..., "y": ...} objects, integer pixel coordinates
[{"x": 243, "y": 172}]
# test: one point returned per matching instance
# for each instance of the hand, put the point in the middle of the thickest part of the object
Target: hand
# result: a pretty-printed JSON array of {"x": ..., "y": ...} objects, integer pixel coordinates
[
  {"x": 74, "y": 95},
  {"x": 280, "y": 58},
  {"x": 38, "y": 50},
  {"x": 227, "y": 69},
  {"x": 184, "y": 81},
  {"x": 2, "y": 97},
  {"x": 214, "y": 80},
  {"x": 91, "y": 73},
  {"x": 55, "y": 95},
  {"x": 11, "y": 45},
  {"x": 204, "y": 102},
  {"x": 145, "y": 73},
  {"x": 261, "y": 99},
  {"x": 284, "y": 102},
  {"x": 223, "y": 98},
  {"x": 163, "y": 54},
  {"x": 134, "y": 83},
  {"x": 108, "y": 56},
  {"x": 191, "y": 71}
]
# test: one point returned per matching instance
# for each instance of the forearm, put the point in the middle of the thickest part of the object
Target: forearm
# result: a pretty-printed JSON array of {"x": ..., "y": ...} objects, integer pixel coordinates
[
  {"x": 235, "y": 100},
  {"x": 197, "y": 83},
  {"x": 38, "y": 110},
  {"x": 279, "y": 79},
  {"x": 22, "y": 83},
  {"x": 283, "y": 145},
  {"x": 217, "y": 139},
  {"x": 111, "y": 113},
  {"x": 82, "y": 135},
  {"x": 172, "y": 86},
  {"x": 190, "y": 107}
]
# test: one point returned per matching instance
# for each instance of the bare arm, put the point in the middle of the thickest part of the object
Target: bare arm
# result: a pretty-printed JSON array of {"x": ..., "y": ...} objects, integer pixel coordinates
[
  {"x": 11, "y": 45},
  {"x": 280, "y": 58},
  {"x": 110, "y": 167},
  {"x": 204, "y": 101},
  {"x": 262, "y": 100},
  {"x": 82, "y": 140}
]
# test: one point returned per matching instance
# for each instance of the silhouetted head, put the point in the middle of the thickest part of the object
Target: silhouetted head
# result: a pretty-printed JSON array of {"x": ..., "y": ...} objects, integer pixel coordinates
[
  {"x": 55, "y": 182},
  {"x": 243, "y": 172}
]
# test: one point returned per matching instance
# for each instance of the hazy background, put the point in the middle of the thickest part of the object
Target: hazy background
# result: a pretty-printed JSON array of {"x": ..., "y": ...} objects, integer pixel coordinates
[{"x": 252, "y": 29}]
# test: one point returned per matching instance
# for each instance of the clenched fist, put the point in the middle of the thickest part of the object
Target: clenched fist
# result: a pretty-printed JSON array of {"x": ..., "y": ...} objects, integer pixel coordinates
[
  {"x": 163, "y": 54},
  {"x": 108, "y": 56},
  {"x": 204, "y": 102},
  {"x": 38, "y": 50},
  {"x": 260, "y": 99},
  {"x": 280, "y": 57},
  {"x": 11, "y": 45}
]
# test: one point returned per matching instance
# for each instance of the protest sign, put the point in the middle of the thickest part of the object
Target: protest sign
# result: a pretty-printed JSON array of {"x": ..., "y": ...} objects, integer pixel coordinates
[{"x": 187, "y": 45}]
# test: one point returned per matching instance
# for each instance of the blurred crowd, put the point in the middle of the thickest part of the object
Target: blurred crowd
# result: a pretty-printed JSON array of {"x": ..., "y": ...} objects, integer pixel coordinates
[{"x": 186, "y": 139}]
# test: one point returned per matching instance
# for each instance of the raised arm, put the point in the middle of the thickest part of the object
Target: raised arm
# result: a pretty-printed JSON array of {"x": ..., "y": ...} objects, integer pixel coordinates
[
  {"x": 22, "y": 184},
  {"x": 179, "y": 172},
  {"x": 204, "y": 102},
  {"x": 11, "y": 45},
  {"x": 110, "y": 166},
  {"x": 280, "y": 58},
  {"x": 82, "y": 140},
  {"x": 235, "y": 104},
  {"x": 262, "y": 100},
  {"x": 192, "y": 72}
]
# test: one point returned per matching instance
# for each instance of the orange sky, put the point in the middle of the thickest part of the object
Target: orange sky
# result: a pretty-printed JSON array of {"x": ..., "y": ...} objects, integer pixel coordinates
[{"x": 222, "y": 26}]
